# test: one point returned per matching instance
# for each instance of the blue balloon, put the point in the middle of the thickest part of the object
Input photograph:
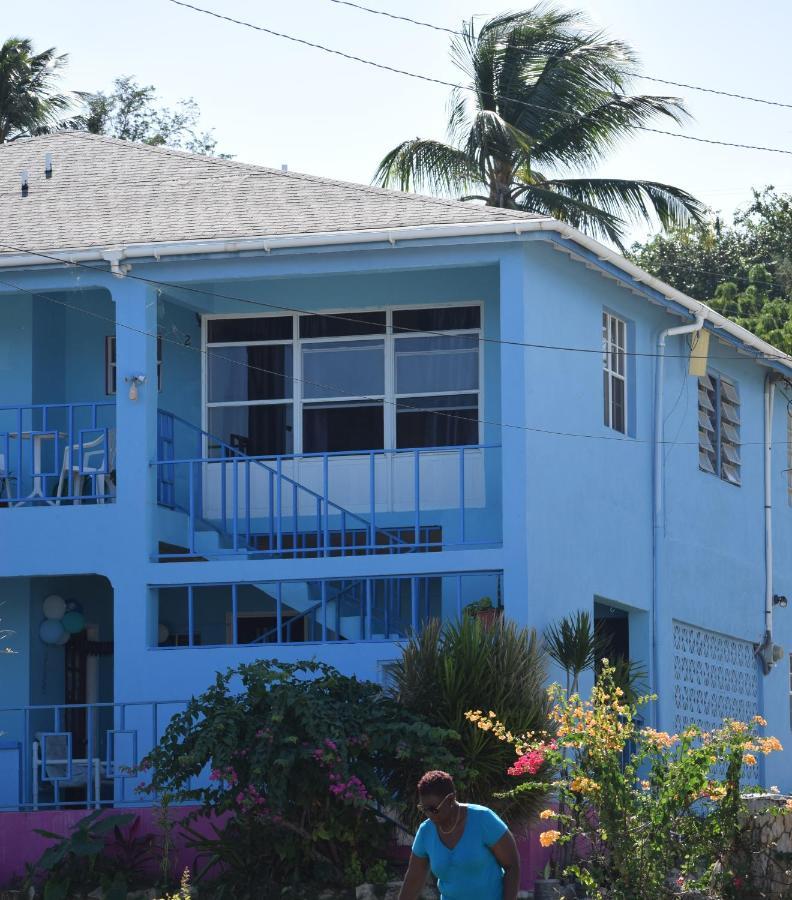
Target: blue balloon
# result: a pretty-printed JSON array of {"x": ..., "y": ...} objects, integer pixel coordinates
[
  {"x": 73, "y": 622},
  {"x": 51, "y": 631}
]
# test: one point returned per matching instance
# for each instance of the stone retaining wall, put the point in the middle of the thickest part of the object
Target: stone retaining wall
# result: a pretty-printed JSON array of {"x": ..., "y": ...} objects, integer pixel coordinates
[{"x": 768, "y": 833}]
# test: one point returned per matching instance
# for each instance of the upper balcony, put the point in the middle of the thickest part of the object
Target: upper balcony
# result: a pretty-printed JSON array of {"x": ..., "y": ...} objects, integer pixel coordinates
[{"x": 300, "y": 435}]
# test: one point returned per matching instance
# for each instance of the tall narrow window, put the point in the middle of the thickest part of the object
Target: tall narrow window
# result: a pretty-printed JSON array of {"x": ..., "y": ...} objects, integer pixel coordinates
[
  {"x": 614, "y": 371},
  {"x": 719, "y": 428}
]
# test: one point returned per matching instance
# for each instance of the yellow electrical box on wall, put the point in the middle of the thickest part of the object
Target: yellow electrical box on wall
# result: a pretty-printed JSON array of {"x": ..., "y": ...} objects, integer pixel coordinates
[{"x": 699, "y": 353}]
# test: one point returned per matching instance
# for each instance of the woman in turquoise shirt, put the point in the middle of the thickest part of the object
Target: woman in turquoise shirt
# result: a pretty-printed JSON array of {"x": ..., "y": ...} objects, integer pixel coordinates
[{"x": 468, "y": 848}]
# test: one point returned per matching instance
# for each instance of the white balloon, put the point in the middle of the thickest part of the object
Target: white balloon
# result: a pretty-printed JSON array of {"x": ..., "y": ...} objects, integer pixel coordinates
[
  {"x": 54, "y": 607},
  {"x": 163, "y": 633}
]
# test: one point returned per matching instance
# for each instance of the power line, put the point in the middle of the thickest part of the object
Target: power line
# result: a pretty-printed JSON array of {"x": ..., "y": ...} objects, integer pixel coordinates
[
  {"x": 452, "y": 84},
  {"x": 402, "y": 329},
  {"x": 454, "y": 31},
  {"x": 398, "y": 404}
]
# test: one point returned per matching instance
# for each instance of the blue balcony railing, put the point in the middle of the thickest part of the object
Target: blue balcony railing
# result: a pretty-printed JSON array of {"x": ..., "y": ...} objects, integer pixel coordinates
[
  {"x": 57, "y": 453},
  {"x": 77, "y": 755},
  {"x": 327, "y": 504}
]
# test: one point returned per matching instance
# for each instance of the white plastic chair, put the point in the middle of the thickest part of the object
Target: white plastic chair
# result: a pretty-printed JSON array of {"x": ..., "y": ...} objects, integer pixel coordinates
[
  {"x": 57, "y": 767},
  {"x": 5, "y": 478},
  {"x": 98, "y": 461}
]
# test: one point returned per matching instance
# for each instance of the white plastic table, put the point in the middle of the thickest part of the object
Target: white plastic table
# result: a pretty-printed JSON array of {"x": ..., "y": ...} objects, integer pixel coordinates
[{"x": 38, "y": 438}]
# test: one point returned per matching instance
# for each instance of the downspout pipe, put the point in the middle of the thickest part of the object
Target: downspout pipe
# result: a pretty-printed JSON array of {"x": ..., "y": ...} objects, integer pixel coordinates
[
  {"x": 658, "y": 485},
  {"x": 769, "y": 395}
]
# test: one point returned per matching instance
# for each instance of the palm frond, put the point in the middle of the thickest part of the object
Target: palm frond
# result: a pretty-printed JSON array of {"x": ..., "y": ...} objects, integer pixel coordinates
[
  {"x": 427, "y": 164},
  {"x": 634, "y": 199},
  {"x": 588, "y": 137},
  {"x": 537, "y": 198}
]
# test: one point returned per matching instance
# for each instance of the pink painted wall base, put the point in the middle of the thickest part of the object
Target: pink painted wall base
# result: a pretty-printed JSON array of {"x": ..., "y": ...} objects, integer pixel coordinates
[{"x": 20, "y": 844}]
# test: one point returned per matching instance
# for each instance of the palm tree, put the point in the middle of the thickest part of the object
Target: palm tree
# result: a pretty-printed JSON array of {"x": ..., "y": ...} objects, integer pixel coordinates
[
  {"x": 548, "y": 99},
  {"x": 29, "y": 103}
]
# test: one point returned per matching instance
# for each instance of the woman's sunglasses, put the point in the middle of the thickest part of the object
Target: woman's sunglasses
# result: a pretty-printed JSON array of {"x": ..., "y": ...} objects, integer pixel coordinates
[{"x": 433, "y": 810}]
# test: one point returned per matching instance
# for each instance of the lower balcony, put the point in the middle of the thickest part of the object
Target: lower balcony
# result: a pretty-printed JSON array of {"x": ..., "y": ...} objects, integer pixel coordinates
[{"x": 318, "y": 611}]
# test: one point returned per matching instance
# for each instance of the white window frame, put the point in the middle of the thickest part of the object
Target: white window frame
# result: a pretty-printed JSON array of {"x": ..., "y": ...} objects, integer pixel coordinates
[
  {"x": 611, "y": 349},
  {"x": 389, "y": 399}
]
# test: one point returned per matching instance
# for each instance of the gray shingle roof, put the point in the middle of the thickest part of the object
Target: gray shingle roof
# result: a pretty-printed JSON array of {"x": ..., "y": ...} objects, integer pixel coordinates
[{"x": 106, "y": 192}]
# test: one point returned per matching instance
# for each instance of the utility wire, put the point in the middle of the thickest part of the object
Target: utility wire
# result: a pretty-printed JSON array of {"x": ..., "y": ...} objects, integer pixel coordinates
[
  {"x": 400, "y": 329},
  {"x": 454, "y": 31},
  {"x": 399, "y": 404},
  {"x": 452, "y": 84}
]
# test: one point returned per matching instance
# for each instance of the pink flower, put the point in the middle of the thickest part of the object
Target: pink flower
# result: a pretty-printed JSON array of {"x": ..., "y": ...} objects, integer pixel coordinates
[{"x": 528, "y": 764}]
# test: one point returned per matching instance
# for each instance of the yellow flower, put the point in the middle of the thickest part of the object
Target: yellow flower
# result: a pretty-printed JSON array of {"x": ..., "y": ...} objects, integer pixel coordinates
[
  {"x": 548, "y": 838},
  {"x": 547, "y": 814},
  {"x": 749, "y": 759}
]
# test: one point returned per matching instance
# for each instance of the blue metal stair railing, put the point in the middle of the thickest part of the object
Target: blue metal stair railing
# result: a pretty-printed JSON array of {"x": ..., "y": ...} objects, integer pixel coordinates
[{"x": 168, "y": 495}]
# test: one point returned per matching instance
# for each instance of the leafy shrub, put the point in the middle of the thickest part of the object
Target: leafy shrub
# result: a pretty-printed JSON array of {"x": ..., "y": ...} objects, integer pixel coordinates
[
  {"x": 302, "y": 761},
  {"x": 448, "y": 669},
  {"x": 103, "y": 851},
  {"x": 645, "y": 810}
]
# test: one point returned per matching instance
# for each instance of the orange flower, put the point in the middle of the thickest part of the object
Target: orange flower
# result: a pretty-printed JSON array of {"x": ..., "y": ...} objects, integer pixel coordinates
[
  {"x": 749, "y": 759},
  {"x": 547, "y": 814},
  {"x": 548, "y": 838}
]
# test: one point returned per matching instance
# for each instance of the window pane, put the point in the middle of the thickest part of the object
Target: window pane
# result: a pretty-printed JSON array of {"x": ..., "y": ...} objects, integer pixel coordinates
[
  {"x": 253, "y": 430},
  {"x": 343, "y": 368},
  {"x": 249, "y": 373},
  {"x": 172, "y": 614},
  {"x": 437, "y": 421},
  {"x": 342, "y": 325},
  {"x": 606, "y": 395},
  {"x": 450, "y": 318},
  {"x": 257, "y": 614},
  {"x": 342, "y": 426},
  {"x": 431, "y": 364},
  {"x": 263, "y": 328},
  {"x": 212, "y": 608},
  {"x": 617, "y": 403}
]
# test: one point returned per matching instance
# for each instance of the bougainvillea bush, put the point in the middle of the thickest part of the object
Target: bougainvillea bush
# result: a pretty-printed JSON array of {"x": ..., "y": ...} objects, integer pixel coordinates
[
  {"x": 639, "y": 814},
  {"x": 294, "y": 766}
]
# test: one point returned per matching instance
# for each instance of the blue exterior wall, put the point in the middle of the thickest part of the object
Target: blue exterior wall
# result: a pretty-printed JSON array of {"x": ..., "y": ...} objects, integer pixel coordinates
[{"x": 577, "y": 498}]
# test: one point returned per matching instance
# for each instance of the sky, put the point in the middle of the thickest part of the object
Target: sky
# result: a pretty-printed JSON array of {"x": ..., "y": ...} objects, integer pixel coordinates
[{"x": 272, "y": 102}]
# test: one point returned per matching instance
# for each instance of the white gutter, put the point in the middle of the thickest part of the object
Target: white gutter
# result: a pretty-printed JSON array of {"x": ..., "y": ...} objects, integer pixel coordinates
[
  {"x": 658, "y": 485},
  {"x": 395, "y": 236}
]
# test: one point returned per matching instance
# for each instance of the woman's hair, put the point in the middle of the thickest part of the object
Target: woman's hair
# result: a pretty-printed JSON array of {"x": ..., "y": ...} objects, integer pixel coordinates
[{"x": 436, "y": 782}]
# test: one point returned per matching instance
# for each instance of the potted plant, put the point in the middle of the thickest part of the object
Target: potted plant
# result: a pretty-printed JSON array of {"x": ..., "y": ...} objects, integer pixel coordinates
[
  {"x": 484, "y": 611},
  {"x": 547, "y": 887}
]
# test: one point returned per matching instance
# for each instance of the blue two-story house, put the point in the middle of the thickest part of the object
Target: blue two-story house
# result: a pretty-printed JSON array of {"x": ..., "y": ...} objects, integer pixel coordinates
[{"x": 250, "y": 413}]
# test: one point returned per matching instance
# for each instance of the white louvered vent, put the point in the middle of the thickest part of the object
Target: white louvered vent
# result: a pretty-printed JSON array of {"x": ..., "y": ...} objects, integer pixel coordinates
[{"x": 719, "y": 428}]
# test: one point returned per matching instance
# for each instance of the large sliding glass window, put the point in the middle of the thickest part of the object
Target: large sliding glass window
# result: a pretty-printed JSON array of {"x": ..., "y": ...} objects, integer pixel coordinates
[{"x": 346, "y": 381}]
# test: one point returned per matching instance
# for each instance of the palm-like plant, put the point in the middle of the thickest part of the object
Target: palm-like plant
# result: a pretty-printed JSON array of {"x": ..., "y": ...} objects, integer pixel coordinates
[
  {"x": 548, "y": 99},
  {"x": 446, "y": 670},
  {"x": 29, "y": 103}
]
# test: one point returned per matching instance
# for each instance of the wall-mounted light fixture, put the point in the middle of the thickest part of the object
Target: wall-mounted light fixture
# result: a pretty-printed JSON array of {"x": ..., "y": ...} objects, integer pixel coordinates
[
  {"x": 779, "y": 600},
  {"x": 133, "y": 381}
]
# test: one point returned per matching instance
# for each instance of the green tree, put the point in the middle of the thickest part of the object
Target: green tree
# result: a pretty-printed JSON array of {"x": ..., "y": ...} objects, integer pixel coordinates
[
  {"x": 132, "y": 112},
  {"x": 29, "y": 102},
  {"x": 549, "y": 100},
  {"x": 743, "y": 269}
]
